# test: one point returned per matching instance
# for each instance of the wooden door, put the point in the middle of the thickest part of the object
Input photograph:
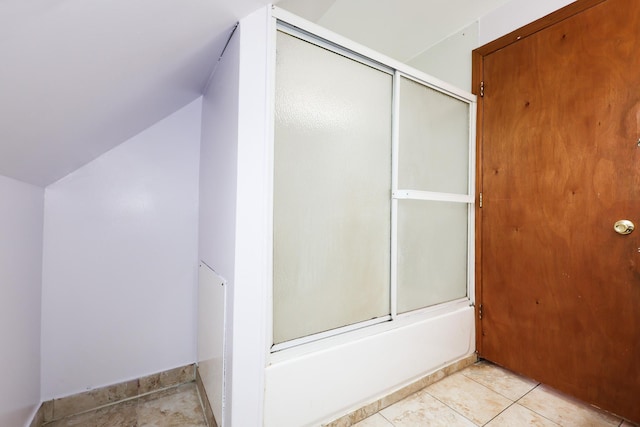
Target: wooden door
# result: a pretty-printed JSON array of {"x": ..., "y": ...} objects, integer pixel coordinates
[{"x": 559, "y": 164}]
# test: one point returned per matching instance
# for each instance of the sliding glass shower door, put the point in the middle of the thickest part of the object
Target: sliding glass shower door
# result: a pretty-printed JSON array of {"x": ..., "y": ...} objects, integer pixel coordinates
[
  {"x": 373, "y": 192},
  {"x": 332, "y": 184}
]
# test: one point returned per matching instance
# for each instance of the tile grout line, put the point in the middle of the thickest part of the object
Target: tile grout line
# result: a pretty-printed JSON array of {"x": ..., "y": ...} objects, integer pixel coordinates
[
  {"x": 453, "y": 409},
  {"x": 535, "y": 412},
  {"x": 513, "y": 402},
  {"x": 498, "y": 414},
  {"x": 488, "y": 388},
  {"x": 386, "y": 419},
  {"x": 583, "y": 405},
  {"x": 496, "y": 391},
  {"x": 202, "y": 407}
]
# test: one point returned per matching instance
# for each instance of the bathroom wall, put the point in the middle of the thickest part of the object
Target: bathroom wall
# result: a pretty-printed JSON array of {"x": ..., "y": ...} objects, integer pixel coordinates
[
  {"x": 217, "y": 233},
  {"x": 450, "y": 59},
  {"x": 21, "y": 219},
  {"x": 234, "y": 208},
  {"x": 251, "y": 273},
  {"x": 218, "y": 164},
  {"x": 120, "y": 261},
  {"x": 513, "y": 15}
]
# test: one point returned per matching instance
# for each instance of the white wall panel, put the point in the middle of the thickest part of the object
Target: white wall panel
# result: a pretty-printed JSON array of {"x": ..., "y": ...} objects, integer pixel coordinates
[
  {"x": 120, "y": 261},
  {"x": 217, "y": 233},
  {"x": 21, "y": 219},
  {"x": 250, "y": 287},
  {"x": 218, "y": 165},
  {"x": 211, "y": 337}
]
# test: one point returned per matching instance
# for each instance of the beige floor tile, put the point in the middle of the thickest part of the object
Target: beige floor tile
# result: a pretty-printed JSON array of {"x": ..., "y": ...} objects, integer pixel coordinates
[
  {"x": 118, "y": 415},
  {"x": 475, "y": 401},
  {"x": 500, "y": 380},
  {"x": 176, "y": 407},
  {"x": 422, "y": 409},
  {"x": 564, "y": 410},
  {"x": 376, "y": 420},
  {"x": 519, "y": 416}
]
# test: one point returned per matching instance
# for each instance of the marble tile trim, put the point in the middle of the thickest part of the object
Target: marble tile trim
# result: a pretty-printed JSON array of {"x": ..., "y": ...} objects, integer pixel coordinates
[
  {"x": 38, "y": 418},
  {"x": 89, "y": 400},
  {"x": 204, "y": 401},
  {"x": 379, "y": 404}
]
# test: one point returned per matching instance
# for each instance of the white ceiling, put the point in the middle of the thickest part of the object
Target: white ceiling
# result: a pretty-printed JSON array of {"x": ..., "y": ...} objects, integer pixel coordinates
[{"x": 78, "y": 77}]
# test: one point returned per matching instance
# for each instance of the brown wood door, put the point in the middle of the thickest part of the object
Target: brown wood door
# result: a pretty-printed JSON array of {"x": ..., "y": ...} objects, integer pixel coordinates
[{"x": 560, "y": 164}]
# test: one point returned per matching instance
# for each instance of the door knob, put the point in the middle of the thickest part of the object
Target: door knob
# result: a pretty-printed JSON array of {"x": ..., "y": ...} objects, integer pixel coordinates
[{"x": 624, "y": 226}]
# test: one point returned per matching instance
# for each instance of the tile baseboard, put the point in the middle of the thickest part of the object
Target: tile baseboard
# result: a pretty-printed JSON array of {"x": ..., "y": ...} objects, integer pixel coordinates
[
  {"x": 204, "y": 400},
  {"x": 62, "y": 407},
  {"x": 376, "y": 406},
  {"x": 59, "y": 408}
]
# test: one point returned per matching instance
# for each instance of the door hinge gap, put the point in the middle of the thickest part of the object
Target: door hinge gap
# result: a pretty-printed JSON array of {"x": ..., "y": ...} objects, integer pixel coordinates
[
  {"x": 480, "y": 199},
  {"x": 480, "y": 312},
  {"x": 482, "y": 89}
]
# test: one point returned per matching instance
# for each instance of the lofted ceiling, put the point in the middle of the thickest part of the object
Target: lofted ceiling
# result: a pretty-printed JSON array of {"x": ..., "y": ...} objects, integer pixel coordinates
[{"x": 78, "y": 77}]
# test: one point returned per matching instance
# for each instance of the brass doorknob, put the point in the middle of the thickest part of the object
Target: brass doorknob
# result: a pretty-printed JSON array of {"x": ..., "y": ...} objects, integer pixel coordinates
[{"x": 624, "y": 226}]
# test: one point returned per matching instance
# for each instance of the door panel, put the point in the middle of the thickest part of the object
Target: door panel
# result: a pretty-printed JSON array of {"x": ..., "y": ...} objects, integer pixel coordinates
[
  {"x": 332, "y": 163},
  {"x": 560, "y": 165}
]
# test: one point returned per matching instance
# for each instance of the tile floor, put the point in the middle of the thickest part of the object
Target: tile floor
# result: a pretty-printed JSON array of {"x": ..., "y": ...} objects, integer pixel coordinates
[
  {"x": 487, "y": 395},
  {"x": 480, "y": 395},
  {"x": 174, "y": 407}
]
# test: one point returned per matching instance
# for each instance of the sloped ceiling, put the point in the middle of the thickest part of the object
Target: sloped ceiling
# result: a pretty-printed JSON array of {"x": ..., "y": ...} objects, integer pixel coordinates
[{"x": 78, "y": 77}]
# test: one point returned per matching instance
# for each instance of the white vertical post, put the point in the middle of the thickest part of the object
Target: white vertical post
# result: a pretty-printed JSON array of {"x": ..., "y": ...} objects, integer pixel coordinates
[{"x": 250, "y": 291}]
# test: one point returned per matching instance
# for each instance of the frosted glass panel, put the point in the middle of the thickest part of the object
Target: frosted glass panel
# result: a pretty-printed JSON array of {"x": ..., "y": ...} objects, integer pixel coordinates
[
  {"x": 434, "y": 140},
  {"x": 432, "y": 253},
  {"x": 332, "y": 186}
]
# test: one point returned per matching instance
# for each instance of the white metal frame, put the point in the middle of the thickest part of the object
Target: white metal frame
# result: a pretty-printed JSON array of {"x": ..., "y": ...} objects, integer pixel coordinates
[{"x": 298, "y": 27}]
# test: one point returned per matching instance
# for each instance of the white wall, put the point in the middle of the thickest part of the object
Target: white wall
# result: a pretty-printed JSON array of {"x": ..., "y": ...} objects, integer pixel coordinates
[
  {"x": 513, "y": 15},
  {"x": 218, "y": 164},
  {"x": 234, "y": 209},
  {"x": 120, "y": 261},
  {"x": 252, "y": 263},
  {"x": 21, "y": 219},
  {"x": 217, "y": 230},
  {"x": 450, "y": 59}
]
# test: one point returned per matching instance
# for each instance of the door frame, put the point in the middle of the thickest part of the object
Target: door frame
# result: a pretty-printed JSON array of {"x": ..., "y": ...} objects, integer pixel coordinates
[{"x": 477, "y": 88}]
